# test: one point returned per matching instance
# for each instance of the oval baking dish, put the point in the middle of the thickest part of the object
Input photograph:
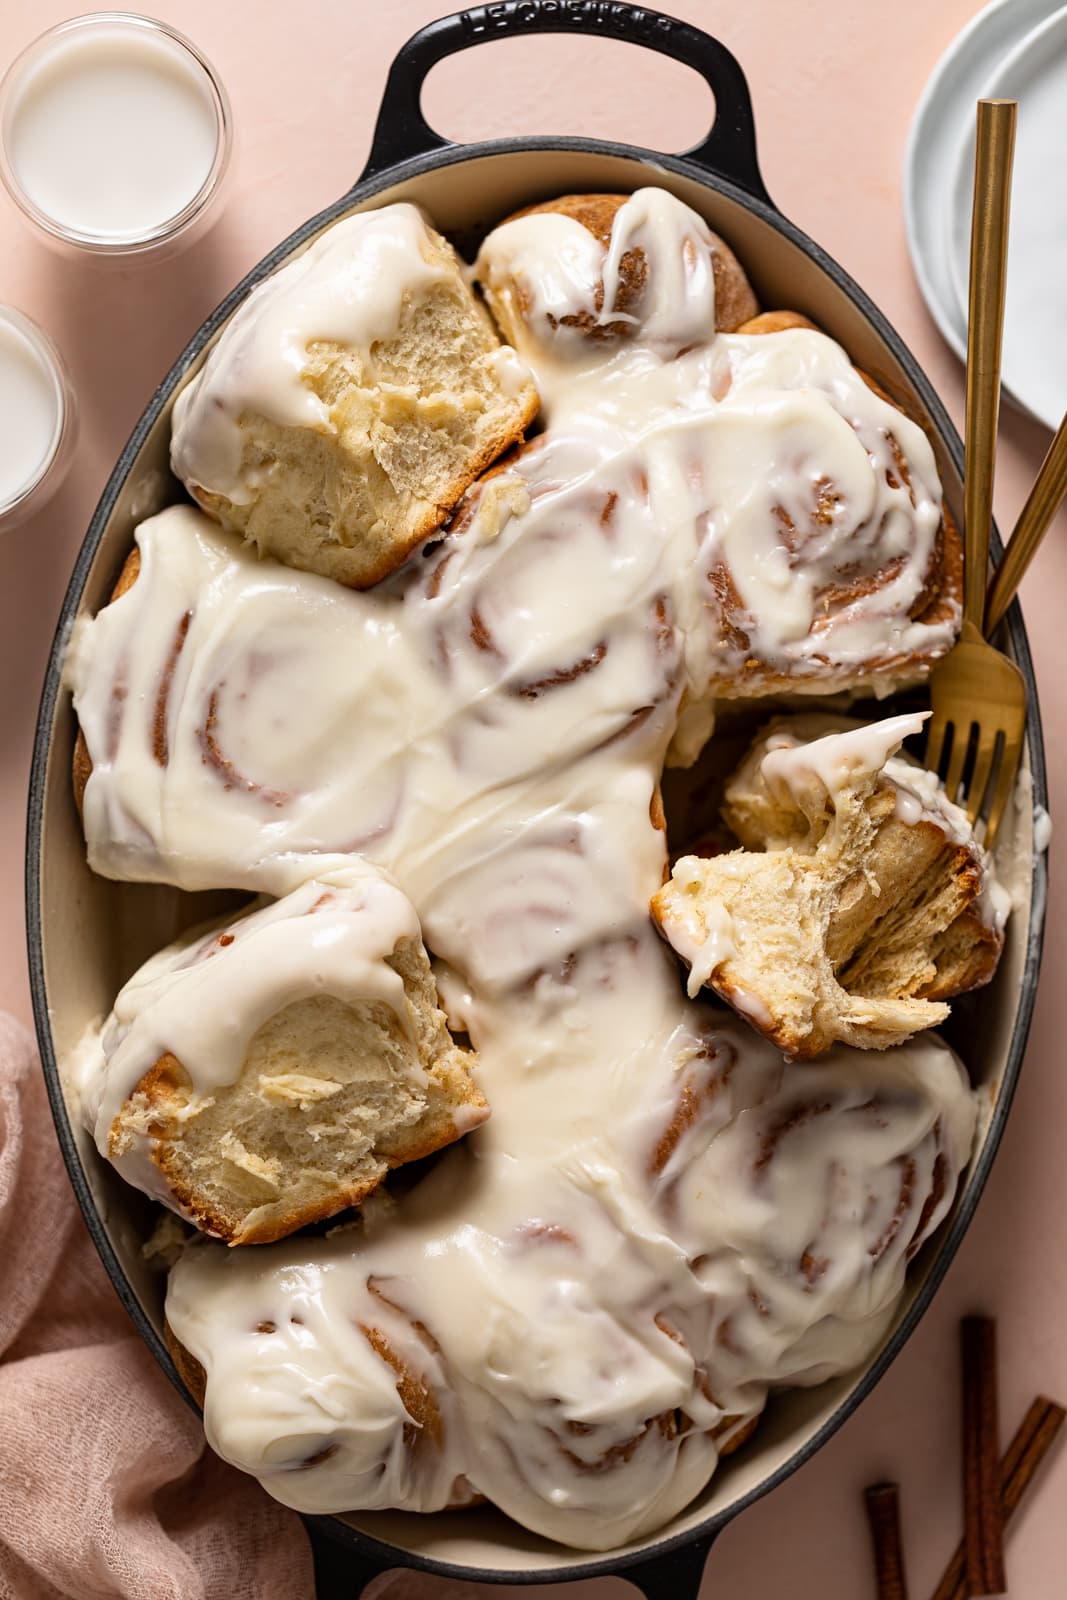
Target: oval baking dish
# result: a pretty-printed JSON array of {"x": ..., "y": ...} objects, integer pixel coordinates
[{"x": 86, "y": 934}]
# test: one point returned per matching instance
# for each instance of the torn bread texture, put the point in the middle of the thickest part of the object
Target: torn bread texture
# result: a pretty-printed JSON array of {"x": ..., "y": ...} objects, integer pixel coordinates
[
  {"x": 269, "y": 1071},
  {"x": 859, "y": 903},
  {"x": 351, "y": 400}
]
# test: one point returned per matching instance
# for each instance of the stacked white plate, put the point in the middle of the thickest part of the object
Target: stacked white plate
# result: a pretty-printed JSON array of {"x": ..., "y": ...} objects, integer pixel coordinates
[{"x": 1015, "y": 50}]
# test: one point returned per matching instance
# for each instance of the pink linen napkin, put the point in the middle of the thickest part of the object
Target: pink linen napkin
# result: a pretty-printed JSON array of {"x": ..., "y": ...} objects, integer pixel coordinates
[{"x": 107, "y": 1489}]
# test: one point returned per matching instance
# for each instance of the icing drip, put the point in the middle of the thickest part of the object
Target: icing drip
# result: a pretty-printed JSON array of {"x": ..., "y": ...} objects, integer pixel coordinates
[
  {"x": 838, "y": 760},
  {"x": 554, "y": 279}
]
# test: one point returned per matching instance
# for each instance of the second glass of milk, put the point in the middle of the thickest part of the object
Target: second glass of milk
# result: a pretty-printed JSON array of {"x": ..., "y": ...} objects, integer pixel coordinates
[
  {"x": 115, "y": 133},
  {"x": 36, "y": 417}
]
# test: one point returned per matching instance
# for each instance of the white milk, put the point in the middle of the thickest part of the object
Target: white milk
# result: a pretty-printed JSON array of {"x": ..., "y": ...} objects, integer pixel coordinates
[
  {"x": 30, "y": 415},
  {"x": 113, "y": 132}
]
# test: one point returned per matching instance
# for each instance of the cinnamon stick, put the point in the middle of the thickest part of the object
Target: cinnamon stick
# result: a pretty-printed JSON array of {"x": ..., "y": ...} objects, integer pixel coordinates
[
  {"x": 1029, "y": 1447},
  {"x": 883, "y": 1516},
  {"x": 983, "y": 1514}
]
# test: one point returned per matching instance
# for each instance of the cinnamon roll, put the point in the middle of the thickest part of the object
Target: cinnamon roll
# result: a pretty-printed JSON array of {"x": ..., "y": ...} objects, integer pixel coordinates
[
  {"x": 268, "y": 1071},
  {"x": 826, "y": 1182},
  {"x": 610, "y": 267},
  {"x": 859, "y": 902},
  {"x": 576, "y": 1309},
  {"x": 371, "y": 1419},
  {"x": 350, "y": 401},
  {"x": 598, "y": 1331},
  {"x": 826, "y": 557}
]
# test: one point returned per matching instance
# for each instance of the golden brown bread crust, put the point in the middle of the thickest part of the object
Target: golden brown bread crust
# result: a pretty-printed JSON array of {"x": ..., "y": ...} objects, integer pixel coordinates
[
  {"x": 656, "y": 812},
  {"x": 221, "y": 510},
  {"x": 81, "y": 771},
  {"x": 164, "y": 1085},
  {"x": 730, "y": 1437},
  {"x": 777, "y": 322},
  {"x": 159, "y": 1112},
  {"x": 985, "y": 956},
  {"x": 418, "y": 1399},
  {"x": 734, "y": 300}
]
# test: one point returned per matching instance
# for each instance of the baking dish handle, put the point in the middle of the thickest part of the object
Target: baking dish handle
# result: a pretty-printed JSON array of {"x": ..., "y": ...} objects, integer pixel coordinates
[
  {"x": 729, "y": 151},
  {"x": 342, "y": 1573},
  {"x": 676, "y": 1576}
]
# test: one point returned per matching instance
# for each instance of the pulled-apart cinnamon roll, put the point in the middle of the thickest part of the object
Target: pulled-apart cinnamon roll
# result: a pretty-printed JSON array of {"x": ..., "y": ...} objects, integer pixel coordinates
[
  {"x": 269, "y": 1070},
  {"x": 350, "y": 401},
  {"x": 594, "y": 1334},
  {"x": 860, "y": 901}
]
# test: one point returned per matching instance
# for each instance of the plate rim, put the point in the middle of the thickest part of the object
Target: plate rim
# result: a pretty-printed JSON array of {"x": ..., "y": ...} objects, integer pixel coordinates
[
  {"x": 954, "y": 57},
  {"x": 993, "y": 88}
]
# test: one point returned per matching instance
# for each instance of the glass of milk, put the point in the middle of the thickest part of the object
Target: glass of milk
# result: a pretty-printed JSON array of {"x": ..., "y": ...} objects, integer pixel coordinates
[
  {"x": 36, "y": 417},
  {"x": 115, "y": 133}
]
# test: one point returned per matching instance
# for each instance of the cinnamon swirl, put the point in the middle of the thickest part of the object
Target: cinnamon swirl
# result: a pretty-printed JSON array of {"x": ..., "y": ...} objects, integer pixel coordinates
[
  {"x": 609, "y": 267},
  {"x": 826, "y": 559}
]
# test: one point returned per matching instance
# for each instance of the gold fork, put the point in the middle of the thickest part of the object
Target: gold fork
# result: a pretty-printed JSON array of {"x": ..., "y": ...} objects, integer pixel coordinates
[{"x": 977, "y": 696}]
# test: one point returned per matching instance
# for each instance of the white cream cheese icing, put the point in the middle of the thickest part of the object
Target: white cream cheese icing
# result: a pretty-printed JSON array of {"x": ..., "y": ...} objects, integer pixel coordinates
[
  {"x": 548, "y": 269},
  {"x": 489, "y": 726},
  {"x": 836, "y": 761},
  {"x": 601, "y": 1295},
  {"x": 816, "y": 758}
]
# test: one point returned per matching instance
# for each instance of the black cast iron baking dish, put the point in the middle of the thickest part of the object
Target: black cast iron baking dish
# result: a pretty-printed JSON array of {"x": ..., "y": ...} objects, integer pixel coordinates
[{"x": 86, "y": 935}]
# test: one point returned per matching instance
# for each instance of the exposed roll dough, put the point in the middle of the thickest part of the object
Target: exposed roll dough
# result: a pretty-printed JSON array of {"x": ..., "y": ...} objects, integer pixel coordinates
[
  {"x": 350, "y": 401},
  {"x": 860, "y": 901},
  {"x": 585, "y": 1302},
  {"x": 269, "y": 1070}
]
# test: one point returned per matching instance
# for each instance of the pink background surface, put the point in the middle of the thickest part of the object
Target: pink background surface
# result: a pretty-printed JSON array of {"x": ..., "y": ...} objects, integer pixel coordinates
[{"x": 834, "y": 85}]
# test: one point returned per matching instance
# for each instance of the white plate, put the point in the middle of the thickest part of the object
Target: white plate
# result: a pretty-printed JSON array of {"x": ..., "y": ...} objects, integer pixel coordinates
[
  {"x": 942, "y": 118},
  {"x": 1035, "y": 316}
]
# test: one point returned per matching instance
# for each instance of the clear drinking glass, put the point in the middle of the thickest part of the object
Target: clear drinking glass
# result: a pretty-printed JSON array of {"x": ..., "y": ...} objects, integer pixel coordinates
[
  {"x": 37, "y": 417},
  {"x": 48, "y": 82}
]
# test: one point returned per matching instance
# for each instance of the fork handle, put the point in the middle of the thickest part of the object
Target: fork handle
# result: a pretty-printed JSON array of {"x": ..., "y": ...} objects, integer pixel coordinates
[
  {"x": 1041, "y": 506},
  {"x": 993, "y": 154}
]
